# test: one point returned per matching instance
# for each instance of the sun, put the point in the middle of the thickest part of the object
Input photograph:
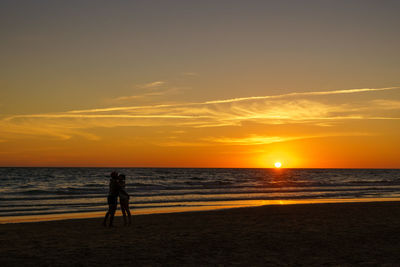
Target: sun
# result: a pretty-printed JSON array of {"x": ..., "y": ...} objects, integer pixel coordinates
[{"x": 278, "y": 164}]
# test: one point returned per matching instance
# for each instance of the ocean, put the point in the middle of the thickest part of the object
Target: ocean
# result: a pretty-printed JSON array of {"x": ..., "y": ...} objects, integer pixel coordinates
[{"x": 50, "y": 191}]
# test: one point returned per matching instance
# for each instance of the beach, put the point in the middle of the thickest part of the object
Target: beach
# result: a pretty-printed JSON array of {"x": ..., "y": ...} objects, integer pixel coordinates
[{"x": 277, "y": 235}]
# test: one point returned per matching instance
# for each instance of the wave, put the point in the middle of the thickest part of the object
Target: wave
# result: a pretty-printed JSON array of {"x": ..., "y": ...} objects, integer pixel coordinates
[
  {"x": 201, "y": 197},
  {"x": 54, "y": 190},
  {"x": 178, "y": 191}
]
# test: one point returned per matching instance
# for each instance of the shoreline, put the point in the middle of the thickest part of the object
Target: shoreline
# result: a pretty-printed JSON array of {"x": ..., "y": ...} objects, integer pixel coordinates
[
  {"x": 221, "y": 205},
  {"x": 276, "y": 235}
]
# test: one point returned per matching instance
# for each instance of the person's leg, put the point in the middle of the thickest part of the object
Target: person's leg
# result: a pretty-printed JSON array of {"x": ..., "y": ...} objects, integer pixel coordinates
[
  {"x": 112, "y": 213},
  {"x": 128, "y": 212},
  {"x": 110, "y": 203},
  {"x": 106, "y": 217},
  {"x": 123, "y": 211}
]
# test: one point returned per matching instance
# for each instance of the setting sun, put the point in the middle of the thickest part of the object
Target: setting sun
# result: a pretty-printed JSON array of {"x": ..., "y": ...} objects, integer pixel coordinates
[{"x": 278, "y": 164}]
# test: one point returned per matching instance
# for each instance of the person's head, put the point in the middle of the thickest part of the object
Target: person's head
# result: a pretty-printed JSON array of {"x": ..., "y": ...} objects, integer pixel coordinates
[
  {"x": 121, "y": 177},
  {"x": 114, "y": 175}
]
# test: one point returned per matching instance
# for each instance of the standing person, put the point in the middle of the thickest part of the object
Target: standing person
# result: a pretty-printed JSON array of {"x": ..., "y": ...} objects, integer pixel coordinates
[
  {"x": 124, "y": 199},
  {"x": 112, "y": 198}
]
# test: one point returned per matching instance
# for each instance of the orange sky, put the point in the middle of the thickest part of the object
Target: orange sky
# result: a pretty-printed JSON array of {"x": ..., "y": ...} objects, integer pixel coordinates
[{"x": 183, "y": 84}]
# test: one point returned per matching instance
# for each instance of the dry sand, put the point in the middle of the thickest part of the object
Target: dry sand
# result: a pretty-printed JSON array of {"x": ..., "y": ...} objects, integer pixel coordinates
[{"x": 295, "y": 235}]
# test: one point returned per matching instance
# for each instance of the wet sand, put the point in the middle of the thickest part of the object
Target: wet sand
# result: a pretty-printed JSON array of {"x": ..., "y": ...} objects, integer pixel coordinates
[{"x": 345, "y": 234}]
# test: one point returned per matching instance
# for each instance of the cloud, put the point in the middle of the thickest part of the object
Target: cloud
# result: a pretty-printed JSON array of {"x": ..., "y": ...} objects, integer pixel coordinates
[
  {"x": 292, "y": 108},
  {"x": 252, "y": 140},
  {"x": 347, "y": 91},
  {"x": 152, "y": 89},
  {"x": 265, "y": 140},
  {"x": 181, "y": 144},
  {"x": 152, "y": 84},
  {"x": 61, "y": 130},
  {"x": 131, "y": 97},
  {"x": 386, "y": 104},
  {"x": 232, "y": 100},
  {"x": 113, "y": 109},
  {"x": 107, "y": 116}
]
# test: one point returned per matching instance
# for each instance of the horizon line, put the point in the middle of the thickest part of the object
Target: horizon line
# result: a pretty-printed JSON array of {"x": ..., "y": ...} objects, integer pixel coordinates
[{"x": 165, "y": 167}]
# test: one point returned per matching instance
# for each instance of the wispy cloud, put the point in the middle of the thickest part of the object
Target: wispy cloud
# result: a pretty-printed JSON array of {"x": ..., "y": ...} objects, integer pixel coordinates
[
  {"x": 140, "y": 96},
  {"x": 152, "y": 84},
  {"x": 252, "y": 140},
  {"x": 121, "y": 109},
  {"x": 335, "y": 92},
  {"x": 385, "y": 104},
  {"x": 108, "y": 116},
  {"x": 149, "y": 90},
  {"x": 266, "y": 140},
  {"x": 182, "y": 143},
  {"x": 292, "y": 108},
  {"x": 232, "y": 100}
]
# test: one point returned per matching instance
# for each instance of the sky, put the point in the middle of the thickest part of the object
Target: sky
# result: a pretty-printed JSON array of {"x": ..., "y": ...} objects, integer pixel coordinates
[{"x": 310, "y": 84}]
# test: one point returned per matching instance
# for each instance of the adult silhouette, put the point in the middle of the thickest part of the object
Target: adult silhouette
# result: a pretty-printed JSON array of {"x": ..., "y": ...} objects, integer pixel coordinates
[
  {"x": 124, "y": 200},
  {"x": 112, "y": 198}
]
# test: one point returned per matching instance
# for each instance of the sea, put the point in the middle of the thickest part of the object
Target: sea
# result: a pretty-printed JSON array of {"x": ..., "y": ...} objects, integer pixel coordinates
[{"x": 36, "y": 192}]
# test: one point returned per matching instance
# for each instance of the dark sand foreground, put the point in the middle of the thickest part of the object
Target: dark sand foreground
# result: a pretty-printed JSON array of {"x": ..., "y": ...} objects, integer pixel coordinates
[{"x": 316, "y": 234}]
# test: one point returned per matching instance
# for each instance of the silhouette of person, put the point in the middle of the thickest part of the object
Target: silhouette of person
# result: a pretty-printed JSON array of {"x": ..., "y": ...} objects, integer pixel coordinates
[
  {"x": 124, "y": 200},
  {"x": 112, "y": 198}
]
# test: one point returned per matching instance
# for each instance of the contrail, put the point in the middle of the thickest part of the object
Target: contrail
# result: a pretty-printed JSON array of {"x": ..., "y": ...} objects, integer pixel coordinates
[
  {"x": 122, "y": 116},
  {"x": 346, "y": 91}
]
